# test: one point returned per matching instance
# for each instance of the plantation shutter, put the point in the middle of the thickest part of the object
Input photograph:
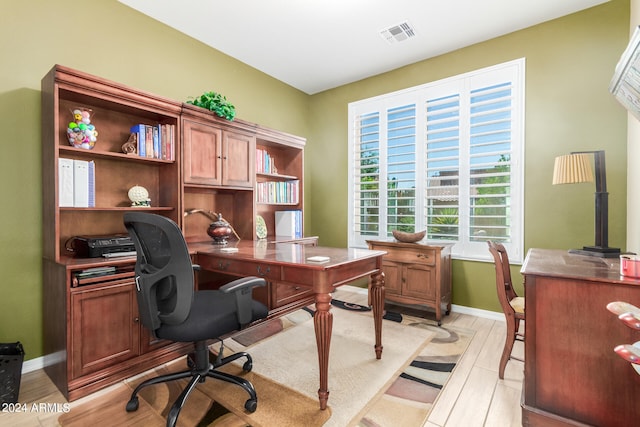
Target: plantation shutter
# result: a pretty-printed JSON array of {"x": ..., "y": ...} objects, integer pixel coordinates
[
  {"x": 366, "y": 176},
  {"x": 490, "y": 163},
  {"x": 445, "y": 157},
  {"x": 401, "y": 168},
  {"x": 443, "y": 167}
]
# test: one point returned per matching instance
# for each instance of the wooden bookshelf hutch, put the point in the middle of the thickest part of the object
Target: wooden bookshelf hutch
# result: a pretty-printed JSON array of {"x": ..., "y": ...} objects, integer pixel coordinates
[{"x": 91, "y": 328}]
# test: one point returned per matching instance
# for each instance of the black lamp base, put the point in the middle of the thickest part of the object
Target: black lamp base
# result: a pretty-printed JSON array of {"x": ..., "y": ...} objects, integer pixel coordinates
[{"x": 597, "y": 251}]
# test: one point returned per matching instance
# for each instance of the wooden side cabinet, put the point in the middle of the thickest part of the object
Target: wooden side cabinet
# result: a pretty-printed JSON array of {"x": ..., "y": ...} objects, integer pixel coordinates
[{"x": 417, "y": 274}]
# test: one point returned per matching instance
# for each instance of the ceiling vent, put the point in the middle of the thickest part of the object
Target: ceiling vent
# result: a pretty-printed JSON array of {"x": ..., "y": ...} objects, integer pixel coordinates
[{"x": 398, "y": 33}]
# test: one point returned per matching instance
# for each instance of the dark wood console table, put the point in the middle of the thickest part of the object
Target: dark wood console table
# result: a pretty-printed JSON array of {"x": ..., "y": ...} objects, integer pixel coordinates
[
  {"x": 572, "y": 376},
  {"x": 289, "y": 263}
]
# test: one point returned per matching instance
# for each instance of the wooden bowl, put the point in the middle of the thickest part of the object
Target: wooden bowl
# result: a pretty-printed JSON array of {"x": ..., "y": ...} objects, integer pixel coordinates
[{"x": 405, "y": 237}]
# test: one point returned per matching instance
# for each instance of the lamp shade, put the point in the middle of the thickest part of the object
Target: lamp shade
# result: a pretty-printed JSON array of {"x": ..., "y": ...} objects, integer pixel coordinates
[{"x": 572, "y": 169}]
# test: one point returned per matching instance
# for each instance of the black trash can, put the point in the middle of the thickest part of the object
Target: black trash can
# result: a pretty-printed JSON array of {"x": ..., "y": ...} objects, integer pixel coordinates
[{"x": 11, "y": 357}]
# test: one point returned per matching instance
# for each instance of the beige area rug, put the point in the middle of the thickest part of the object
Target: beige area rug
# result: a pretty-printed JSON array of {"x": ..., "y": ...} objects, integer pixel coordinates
[
  {"x": 399, "y": 389},
  {"x": 212, "y": 403},
  {"x": 356, "y": 377}
]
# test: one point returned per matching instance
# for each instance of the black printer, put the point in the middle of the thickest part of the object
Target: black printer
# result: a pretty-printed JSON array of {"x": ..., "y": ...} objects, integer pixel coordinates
[{"x": 99, "y": 246}]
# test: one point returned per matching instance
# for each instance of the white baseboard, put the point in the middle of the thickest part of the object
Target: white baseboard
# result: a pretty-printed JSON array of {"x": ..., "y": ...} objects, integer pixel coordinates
[
  {"x": 486, "y": 314},
  {"x": 41, "y": 362},
  {"x": 33, "y": 364}
]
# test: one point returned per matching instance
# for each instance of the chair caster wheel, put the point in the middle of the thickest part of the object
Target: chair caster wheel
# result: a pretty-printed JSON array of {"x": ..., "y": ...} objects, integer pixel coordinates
[
  {"x": 251, "y": 405},
  {"x": 132, "y": 405},
  {"x": 247, "y": 367}
]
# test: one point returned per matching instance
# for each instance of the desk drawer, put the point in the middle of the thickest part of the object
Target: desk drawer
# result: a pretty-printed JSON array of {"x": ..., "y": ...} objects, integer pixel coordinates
[
  {"x": 418, "y": 255},
  {"x": 284, "y": 294},
  {"x": 241, "y": 268}
]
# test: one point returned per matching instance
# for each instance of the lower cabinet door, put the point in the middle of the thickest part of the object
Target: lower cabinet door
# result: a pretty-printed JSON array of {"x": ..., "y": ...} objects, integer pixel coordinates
[
  {"x": 392, "y": 277},
  {"x": 420, "y": 282},
  {"x": 104, "y": 327}
]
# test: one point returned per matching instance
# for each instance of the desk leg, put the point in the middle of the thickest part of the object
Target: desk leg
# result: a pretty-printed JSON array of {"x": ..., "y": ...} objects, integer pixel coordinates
[
  {"x": 323, "y": 324},
  {"x": 377, "y": 301}
]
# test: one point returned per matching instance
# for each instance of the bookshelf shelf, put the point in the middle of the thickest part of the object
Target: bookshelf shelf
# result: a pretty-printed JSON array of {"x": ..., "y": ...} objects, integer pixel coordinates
[
  {"x": 73, "y": 151},
  {"x": 121, "y": 209},
  {"x": 276, "y": 176},
  {"x": 279, "y": 176},
  {"x": 115, "y": 109},
  {"x": 277, "y": 204}
]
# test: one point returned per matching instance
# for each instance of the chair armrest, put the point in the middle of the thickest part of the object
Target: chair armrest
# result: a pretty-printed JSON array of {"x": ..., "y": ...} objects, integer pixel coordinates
[
  {"x": 242, "y": 290},
  {"x": 243, "y": 283}
]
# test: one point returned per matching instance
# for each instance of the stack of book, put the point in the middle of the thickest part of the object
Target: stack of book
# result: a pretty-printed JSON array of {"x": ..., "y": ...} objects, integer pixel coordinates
[
  {"x": 265, "y": 162},
  {"x": 155, "y": 142},
  {"x": 278, "y": 192},
  {"x": 76, "y": 183}
]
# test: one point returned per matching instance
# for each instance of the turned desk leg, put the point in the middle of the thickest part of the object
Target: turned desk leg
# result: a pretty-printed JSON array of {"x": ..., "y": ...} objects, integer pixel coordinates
[
  {"x": 323, "y": 324},
  {"x": 377, "y": 301}
]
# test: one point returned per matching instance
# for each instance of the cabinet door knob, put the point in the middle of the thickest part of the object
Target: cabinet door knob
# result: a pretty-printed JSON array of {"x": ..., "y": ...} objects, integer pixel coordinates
[{"x": 136, "y": 320}]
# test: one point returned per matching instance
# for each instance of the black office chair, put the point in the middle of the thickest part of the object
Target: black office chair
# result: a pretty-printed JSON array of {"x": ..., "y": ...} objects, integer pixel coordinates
[{"x": 171, "y": 308}]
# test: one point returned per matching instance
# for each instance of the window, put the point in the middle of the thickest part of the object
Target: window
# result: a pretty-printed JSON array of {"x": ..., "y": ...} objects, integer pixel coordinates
[{"x": 447, "y": 157}]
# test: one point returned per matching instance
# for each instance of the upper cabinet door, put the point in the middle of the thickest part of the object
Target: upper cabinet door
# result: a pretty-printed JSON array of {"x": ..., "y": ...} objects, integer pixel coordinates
[
  {"x": 238, "y": 159},
  {"x": 202, "y": 160},
  {"x": 217, "y": 157}
]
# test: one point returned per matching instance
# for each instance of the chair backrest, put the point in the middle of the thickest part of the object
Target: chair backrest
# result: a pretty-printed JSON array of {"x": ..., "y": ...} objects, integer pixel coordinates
[
  {"x": 164, "y": 271},
  {"x": 504, "y": 286}
]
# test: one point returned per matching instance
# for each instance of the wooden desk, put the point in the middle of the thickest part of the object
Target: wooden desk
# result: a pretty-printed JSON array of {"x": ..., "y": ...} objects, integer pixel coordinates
[
  {"x": 572, "y": 376},
  {"x": 287, "y": 263}
]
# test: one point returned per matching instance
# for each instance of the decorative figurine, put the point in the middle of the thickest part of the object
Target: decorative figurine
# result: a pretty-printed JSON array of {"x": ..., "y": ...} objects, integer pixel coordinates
[
  {"x": 80, "y": 132},
  {"x": 130, "y": 147},
  {"x": 139, "y": 197}
]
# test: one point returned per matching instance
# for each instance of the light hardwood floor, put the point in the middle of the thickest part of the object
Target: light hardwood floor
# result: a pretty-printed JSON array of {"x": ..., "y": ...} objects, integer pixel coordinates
[{"x": 474, "y": 396}]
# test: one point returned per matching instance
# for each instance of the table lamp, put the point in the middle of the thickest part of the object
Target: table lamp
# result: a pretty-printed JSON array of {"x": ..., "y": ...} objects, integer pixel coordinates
[{"x": 575, "y": 168}]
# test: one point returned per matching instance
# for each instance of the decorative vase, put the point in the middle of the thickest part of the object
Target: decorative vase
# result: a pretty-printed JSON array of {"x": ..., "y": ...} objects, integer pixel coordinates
[
  {"x": 81, "y": 133},
  {"x": 219, "y": 231}
]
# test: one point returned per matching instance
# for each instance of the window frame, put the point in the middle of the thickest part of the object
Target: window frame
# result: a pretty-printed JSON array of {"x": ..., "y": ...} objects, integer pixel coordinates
[{"x": 463, "y": 85}]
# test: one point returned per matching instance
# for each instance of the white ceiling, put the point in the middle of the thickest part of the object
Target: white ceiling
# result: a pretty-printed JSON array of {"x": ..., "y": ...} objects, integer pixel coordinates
[{"x": 315, "y": 45}]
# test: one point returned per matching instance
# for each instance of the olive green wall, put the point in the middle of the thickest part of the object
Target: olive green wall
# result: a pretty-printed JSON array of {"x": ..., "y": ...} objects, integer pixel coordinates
[
  {"x": 569, "y": 63},
  {"x": 110, "y": 40}
]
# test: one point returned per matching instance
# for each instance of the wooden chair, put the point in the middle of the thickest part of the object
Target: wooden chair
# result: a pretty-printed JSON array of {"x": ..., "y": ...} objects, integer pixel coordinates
[{"x": 512, "y": 304}]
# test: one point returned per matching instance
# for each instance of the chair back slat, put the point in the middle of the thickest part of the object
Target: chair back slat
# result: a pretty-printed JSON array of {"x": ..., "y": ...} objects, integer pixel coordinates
[{"x": 504, "y": 285}]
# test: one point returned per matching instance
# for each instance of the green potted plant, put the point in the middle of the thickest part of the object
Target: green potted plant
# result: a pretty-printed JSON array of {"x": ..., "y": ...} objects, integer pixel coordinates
[{"x": 217, "y": 103}]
